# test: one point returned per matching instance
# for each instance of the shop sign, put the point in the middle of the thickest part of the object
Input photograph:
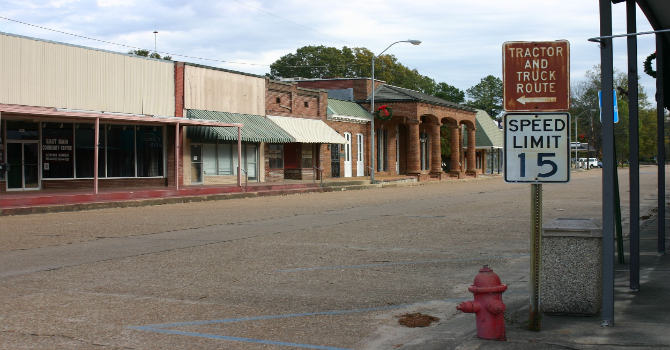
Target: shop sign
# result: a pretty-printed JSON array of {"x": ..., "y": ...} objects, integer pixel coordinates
[{"x": 57, "y": 150}]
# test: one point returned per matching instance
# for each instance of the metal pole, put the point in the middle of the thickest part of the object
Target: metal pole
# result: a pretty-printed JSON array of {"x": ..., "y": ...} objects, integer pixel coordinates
[
  {"x": 239, "y": 156},
  {"x": 633, "y": 146},
  {"x": 176, "y": 156},
  {"x": 660, "y": 159},
  {"x": 372, "y": 124},
  {"x": 576, "y": 147},
  {"x": 535, "y": 255},
  {"x": 609, "y": 166},
  {"x": 96, "y": 141}
]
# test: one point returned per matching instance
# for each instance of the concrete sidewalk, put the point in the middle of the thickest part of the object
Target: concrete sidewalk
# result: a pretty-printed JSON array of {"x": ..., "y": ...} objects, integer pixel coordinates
[{"x": 642, "y": 318}]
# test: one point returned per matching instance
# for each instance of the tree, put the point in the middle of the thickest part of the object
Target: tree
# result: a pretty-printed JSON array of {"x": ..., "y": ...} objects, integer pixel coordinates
[
  {"x": 585, "y": 97},
  {"x": 146, "y": 53},
  {"x": 449, "y": 93},
  {"x": 487, "y": 96},
  {"x": 316, "y": 62}
]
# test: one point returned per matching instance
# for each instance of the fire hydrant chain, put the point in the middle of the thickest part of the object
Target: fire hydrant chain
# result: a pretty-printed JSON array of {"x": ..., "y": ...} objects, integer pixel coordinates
[{"x": 488, "y": 305}]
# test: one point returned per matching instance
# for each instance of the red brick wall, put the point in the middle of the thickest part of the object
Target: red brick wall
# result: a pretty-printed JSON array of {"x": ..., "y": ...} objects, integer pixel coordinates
[
  {"x": 170, "y": 154},
  {"x": 299, "y": 174},
  {"x": 84, "y": 184},
  {"x": 3, "y": 186},
  {"x": 290, "y": 95},
  {"x": 353, "y": 129},
  {"x": 179, "y": 89}
]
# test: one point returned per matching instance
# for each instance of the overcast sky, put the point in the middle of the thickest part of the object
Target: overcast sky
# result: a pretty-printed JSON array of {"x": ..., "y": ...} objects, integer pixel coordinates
[{"x": 462, "y": 40}]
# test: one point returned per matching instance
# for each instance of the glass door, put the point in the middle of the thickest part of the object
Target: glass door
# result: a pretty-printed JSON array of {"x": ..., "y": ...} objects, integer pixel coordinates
[
  {"x": 23, "y": 159},
  {"x": 252, "y": 160},
  {"x": 196, "y": 165}
]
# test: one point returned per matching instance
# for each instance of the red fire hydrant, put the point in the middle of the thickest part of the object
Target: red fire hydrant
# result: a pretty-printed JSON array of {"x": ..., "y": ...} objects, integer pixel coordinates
[{"x": 488, "y": 306}]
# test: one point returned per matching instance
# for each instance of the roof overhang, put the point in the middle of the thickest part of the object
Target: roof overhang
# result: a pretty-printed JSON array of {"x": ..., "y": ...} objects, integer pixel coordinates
[
  {"x": 91, "y": 116},
  {"x": 308, "y": 130},
  {"x": 347, "y": 119}
]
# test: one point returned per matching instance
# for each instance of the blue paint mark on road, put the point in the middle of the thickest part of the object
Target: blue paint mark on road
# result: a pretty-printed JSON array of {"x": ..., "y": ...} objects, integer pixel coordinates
[
  {"x": 161, "y": 328},
  {"x": 402, "y": 263}
]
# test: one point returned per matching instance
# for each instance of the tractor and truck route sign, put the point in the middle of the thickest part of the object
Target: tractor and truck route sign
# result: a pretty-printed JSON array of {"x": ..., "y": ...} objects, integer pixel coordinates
[
  {"x": 537, "y": 147},
  {"x": 536, "y": 76}
]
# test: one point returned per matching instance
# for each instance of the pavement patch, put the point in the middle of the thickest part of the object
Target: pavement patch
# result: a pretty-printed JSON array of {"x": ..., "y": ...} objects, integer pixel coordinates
[
  {"x": 169, "y": 328},
  {"x": 402, "y": 263}
]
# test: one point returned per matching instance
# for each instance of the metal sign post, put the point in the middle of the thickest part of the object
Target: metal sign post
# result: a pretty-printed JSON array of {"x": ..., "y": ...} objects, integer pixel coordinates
[
  {"x": 536, "y": 80},
  {"x": 535, "y": 255}
]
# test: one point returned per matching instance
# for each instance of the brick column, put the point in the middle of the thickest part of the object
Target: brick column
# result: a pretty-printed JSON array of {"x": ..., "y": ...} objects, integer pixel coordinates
[
  {"x": 413, "y": 146},
  {"x": 455, "y": 164},
  {"x": 472, "y": 164},
  {"x": 436, "y": 149}
]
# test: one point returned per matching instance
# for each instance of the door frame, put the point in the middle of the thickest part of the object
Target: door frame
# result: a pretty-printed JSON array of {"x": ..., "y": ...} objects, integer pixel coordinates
[
  {"x": 360, "y": 157},
  {"x": 348, "y": 171},
  {"x": 23, "y": 165}
]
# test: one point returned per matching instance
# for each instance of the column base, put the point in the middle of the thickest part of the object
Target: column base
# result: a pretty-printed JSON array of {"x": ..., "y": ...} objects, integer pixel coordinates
[
  {"x": 436, "y": 174},
  {"x": 457, "y": 174},
  {"x": 472, "y": 173}
]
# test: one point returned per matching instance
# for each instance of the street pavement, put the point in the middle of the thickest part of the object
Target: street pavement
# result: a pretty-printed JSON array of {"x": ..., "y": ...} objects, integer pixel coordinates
[{"x": 311, "y": 271}]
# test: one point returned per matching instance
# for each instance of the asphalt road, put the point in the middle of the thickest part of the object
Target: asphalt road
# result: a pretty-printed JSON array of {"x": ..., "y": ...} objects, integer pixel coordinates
[{"x": 316, "y": 271}]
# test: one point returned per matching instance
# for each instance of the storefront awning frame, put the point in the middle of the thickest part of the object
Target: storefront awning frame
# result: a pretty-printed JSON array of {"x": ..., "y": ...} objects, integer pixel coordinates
[{"x": 97, "y": 116}]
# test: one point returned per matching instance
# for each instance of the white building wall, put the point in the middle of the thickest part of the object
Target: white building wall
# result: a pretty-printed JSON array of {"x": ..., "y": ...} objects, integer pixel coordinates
[{"x": 47, "y": 74}]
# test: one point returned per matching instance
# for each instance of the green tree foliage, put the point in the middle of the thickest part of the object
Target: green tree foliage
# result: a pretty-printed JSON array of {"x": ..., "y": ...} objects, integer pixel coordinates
[
  {"x": 321, "y": 62},
  {"x": 147, "y": 53},
  {"x": 585, "y": 98},
  {"x": 487, "y": 96},
  {"x": 449, "y": 93}
]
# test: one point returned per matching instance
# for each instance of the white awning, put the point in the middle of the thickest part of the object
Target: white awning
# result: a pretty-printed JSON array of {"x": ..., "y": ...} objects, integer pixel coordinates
[{"x": 308, "y": 130}]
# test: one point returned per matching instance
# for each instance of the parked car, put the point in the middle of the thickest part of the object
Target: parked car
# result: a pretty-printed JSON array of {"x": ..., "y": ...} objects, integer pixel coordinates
[{"x": 590, "y": 163}]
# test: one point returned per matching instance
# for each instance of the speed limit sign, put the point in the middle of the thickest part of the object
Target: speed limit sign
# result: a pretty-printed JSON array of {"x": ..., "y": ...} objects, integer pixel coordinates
[{"x": 537, "y": 147}]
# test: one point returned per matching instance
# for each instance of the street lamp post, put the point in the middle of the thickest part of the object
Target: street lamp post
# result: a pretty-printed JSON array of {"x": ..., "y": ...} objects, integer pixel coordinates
[{"x": 372, "y": 108}]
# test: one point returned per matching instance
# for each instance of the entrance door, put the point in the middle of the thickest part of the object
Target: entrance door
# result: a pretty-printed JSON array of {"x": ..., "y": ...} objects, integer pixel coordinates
[
  {"x": 335, "y": 160},
  {"x": 347, "y": 155},
  {"x": 196, "y": 165},
  {"x": 23, "y": 159},
  {"x": 360, "y": 164},
  {"x": 252, "y": 160}
]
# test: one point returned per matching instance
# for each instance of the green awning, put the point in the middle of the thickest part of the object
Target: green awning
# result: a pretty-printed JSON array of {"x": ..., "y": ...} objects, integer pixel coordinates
[{"x": 256, "y": 127}]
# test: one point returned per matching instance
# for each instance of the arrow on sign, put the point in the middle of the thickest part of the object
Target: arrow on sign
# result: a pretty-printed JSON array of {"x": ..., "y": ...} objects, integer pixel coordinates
[{"x": 523, "y": 99}]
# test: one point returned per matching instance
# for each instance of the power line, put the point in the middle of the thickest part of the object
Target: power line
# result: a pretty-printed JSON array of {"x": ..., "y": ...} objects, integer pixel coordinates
[
  {"x": 131, "y": 47},
  {"x": 287, "y": 20}
]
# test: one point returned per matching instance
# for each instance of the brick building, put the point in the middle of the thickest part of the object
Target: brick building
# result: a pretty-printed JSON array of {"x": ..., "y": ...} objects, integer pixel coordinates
[
  {"x": 301, "y": 113},
  {"x": 409, "y": 142}
]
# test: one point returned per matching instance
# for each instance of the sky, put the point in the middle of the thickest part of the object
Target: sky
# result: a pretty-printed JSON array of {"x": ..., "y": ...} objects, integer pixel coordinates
[{"x": 461, "y": 40}]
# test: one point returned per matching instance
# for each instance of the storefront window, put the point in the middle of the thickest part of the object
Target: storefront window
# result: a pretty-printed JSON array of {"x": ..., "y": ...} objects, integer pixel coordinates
[
  {"x": 307, "y": 152},
  {"x": 225, "y": 158},
  {"x": 149, "y": 151},
  {"x": 84, "y": 139},
  {"x": 120, "y": 151},
  {"x": 2, "y": 148},
  {"x": 57, "y": 151},
  {"x": 276, "y": 155},
  {"x": 17, "y": 130}
]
